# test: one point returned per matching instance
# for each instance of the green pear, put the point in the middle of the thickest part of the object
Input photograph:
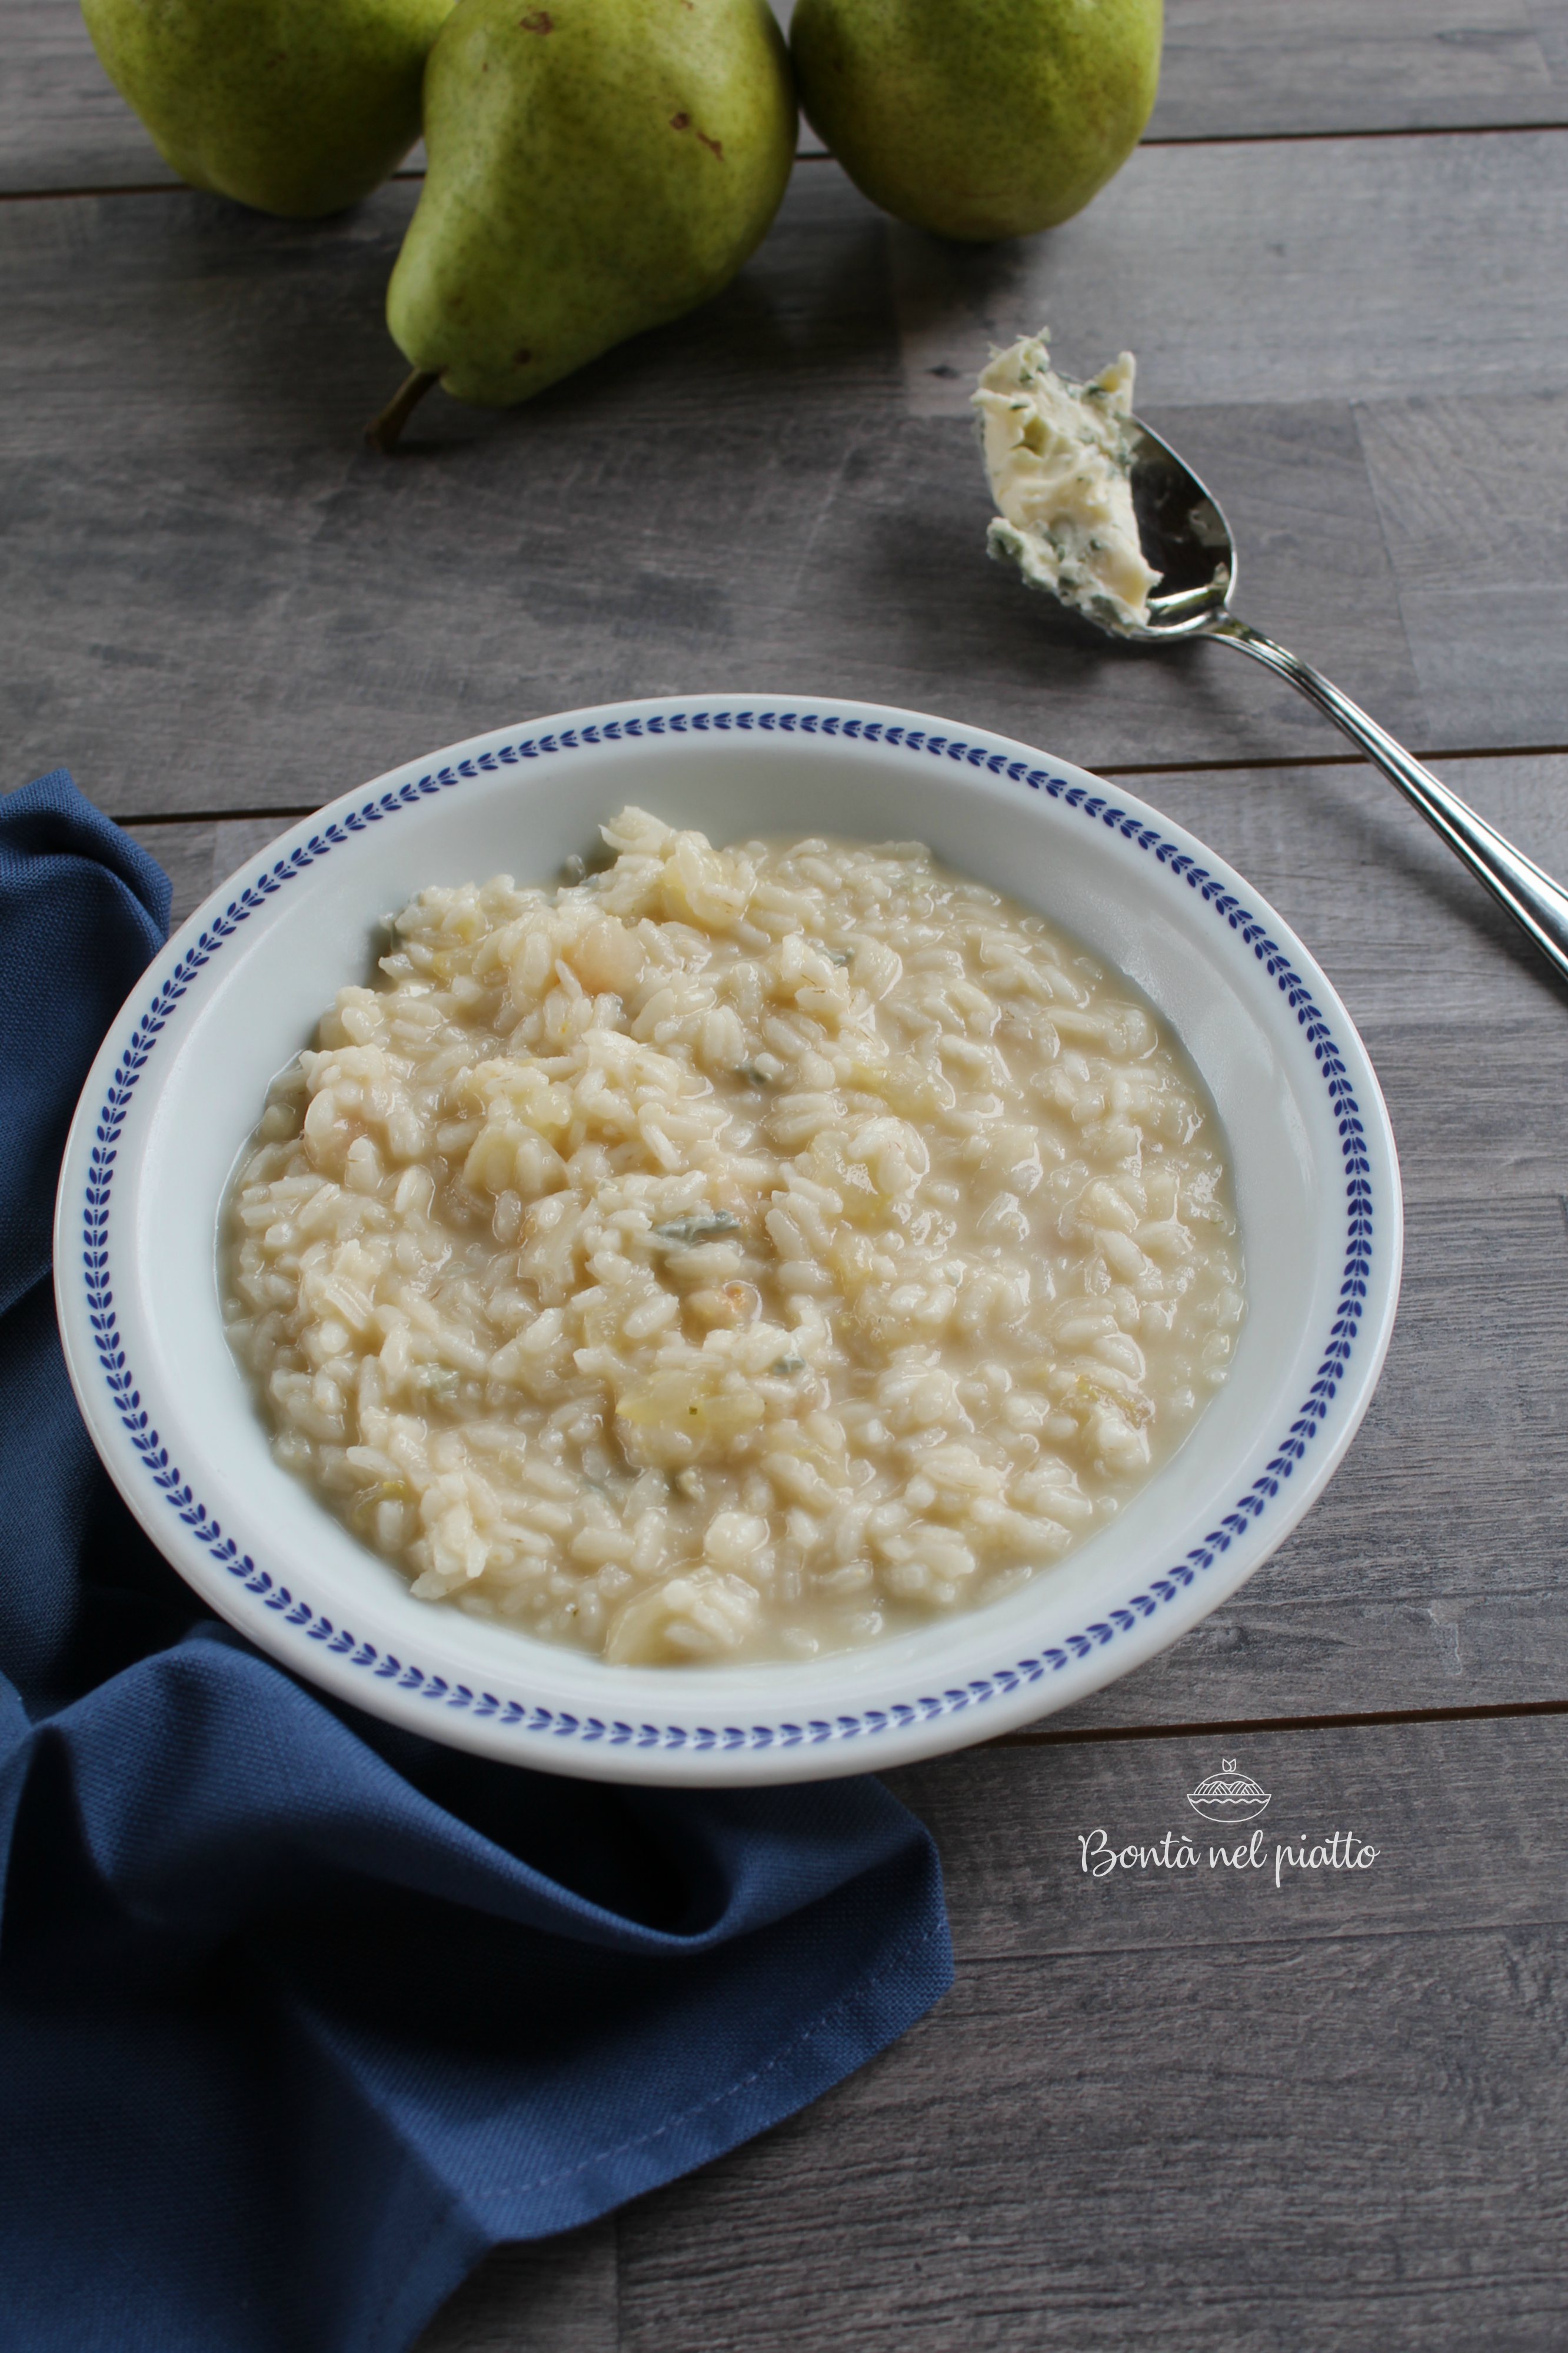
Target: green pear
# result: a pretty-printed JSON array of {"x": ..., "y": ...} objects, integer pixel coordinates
[
  {"x": 297, "y": 107},
  {"x": 978, "y": 118},
  {"x": 595, "y": 167}
]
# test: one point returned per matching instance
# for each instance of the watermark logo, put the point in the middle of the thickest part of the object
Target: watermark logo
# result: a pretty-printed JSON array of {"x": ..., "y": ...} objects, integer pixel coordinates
[
  {"x": 1231, "y": 1799},
  {"x": 1229, "y": 1795}
]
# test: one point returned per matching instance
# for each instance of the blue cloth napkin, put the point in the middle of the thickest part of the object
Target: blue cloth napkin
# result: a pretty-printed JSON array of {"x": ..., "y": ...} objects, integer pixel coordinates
[{"x": 298, "y": 2014}]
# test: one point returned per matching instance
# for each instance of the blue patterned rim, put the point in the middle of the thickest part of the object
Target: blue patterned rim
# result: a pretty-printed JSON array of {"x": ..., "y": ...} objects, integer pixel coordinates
[{"x": 404, "y": 1674}]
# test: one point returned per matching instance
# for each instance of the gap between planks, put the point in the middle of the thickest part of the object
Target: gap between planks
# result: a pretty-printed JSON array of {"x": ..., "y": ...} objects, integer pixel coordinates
[
  {"x": 1291, "y": 1941},
  {"x": 1224, "y": 1727},
  {"x": 822, "y": 156},
  {"x": 1124, "y": 769}
]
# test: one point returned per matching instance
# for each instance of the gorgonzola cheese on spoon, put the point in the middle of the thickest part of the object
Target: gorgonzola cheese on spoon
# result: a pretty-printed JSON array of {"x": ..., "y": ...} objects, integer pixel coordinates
[{"x": 1059, "y": 457}]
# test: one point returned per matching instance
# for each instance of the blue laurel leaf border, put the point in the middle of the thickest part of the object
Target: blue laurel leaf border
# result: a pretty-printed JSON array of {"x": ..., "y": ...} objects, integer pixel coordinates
[{"x": 406, "y": 1675}]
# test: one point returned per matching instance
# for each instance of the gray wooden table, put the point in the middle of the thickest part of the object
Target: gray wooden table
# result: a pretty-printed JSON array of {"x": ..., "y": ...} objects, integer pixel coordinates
[{"x": 1161, "y": 2109}]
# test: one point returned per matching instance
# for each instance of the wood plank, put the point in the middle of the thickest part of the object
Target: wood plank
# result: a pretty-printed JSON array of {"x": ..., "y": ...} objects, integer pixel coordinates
[
  {"x": 1473, "y": 497},
  {"x": 1238, "y": 2170},
  {"x": 1245, "y": 274},
  {"x": 63, "y": 124},
  {"x": 1550, "y": 19},
  {"x": 1271, "y": 66},
  {"x": 1229, "y": 71},
  {"x": 1403, "y": 931},
  {"x": 1178, "y": 2110},
  {"x": 1223, "y": 2032},
  {"x": 215, "y": 599},
  {"x": 556, "y": 2296}
]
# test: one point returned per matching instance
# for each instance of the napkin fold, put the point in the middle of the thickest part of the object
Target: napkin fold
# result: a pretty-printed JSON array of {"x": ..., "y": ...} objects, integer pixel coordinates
[{"x": 300, "y": 2013}]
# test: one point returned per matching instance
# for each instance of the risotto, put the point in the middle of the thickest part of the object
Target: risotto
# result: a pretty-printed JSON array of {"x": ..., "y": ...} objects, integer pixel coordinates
[{"x": 733, "y": 1254}]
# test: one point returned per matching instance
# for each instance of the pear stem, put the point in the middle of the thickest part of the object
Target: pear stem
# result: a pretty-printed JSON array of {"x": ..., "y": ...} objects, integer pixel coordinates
[{"x": 384, "y": 431}]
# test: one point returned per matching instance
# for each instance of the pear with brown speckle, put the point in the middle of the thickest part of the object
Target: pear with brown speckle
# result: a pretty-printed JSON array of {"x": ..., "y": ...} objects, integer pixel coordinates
[{"x": 596, "y": 167}]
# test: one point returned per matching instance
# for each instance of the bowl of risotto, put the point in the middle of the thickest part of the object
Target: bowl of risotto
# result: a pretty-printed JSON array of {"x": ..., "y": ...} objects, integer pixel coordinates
[{"x": 710, "y": 1240}]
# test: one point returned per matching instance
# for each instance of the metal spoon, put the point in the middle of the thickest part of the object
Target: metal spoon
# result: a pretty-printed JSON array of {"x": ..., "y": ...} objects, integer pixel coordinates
[{"x": 1188, "y": 542}]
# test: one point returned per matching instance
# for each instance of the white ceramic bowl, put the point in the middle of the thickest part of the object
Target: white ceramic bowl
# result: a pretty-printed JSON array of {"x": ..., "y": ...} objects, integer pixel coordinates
[{"x": 180, "y": 1081}]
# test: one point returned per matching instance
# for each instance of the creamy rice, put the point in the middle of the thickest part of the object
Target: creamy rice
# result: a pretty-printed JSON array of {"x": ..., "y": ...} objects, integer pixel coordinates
[{"x": 737, "y": 1253}]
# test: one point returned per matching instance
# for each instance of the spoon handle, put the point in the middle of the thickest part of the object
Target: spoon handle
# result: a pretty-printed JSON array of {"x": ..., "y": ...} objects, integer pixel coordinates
[{"x": 1537, "y": 904}]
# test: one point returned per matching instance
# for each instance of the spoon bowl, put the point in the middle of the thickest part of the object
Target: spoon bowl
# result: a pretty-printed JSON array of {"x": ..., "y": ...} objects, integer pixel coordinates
[
  {"x": 1185, "y": 537},
  {"x": 1186, "y": 540}
]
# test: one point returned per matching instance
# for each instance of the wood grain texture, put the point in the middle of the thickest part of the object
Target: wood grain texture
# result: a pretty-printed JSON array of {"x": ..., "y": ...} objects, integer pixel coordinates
[
  {"x": 1327, "y": 270},
  {"x": 1404, "y": 935},
  {"x": 1115, "y": 2156},
  {"x": 1238, "y": 69},
  {"x": 63, "y": 124},
  {"x": 1180, "y": 2110},
  {"x": 1473, "y": 499},
  {"x": 215, "y": 599}
]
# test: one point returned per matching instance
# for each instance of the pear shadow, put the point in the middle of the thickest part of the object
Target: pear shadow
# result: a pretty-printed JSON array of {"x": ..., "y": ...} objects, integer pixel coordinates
[
  {"x": 306, "y": 355},
  {"x": 962, "y": 615},
  {"x": 426, "y": 448},
  {"x": 812, "y": 307},
  {"x": 277, "y": 327},
  {"x": 807, "y": 310}
]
